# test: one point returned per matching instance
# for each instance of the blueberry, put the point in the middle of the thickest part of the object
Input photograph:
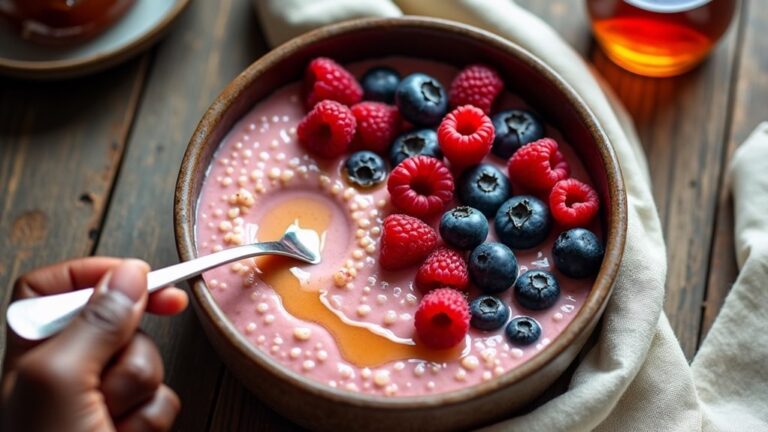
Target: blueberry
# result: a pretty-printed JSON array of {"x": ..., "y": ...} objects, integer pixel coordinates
[
  {"x": 514, "y": 129},
  {"x": 537, "y": 289},
  {"x": 578, "y": 253},
  {"x": 379, "y": 84},
  {"x": 365, "y": 168},
  {"x": 485, "y": 188},
  {"x": 492, "y": 267},
  {"x": 523, "y": 331},
  {"x": 463, "y": 227},
  {"x": 419, "y": 142},
  {"x": 421, "y": 99},
  {"x": 522, "y": 222},
  {"x": 488, "y": 313}
]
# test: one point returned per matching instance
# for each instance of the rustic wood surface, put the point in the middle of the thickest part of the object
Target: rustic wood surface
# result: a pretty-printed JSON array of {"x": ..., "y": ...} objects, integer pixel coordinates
[{"x": 88, "y": 166}]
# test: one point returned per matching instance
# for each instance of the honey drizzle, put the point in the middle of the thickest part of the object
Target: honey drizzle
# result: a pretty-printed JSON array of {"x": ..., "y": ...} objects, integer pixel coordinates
[{"x": 357, "y": 345}]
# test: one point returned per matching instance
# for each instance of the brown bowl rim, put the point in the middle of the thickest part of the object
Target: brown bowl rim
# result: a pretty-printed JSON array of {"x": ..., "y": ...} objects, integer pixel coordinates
[
  {"x": 616, "y": 219},
  {"x": 70, "y": 68}
]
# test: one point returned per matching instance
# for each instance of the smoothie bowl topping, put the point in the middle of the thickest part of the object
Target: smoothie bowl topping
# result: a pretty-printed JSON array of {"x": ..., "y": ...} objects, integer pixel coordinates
[{"x": 459, "y": 230}]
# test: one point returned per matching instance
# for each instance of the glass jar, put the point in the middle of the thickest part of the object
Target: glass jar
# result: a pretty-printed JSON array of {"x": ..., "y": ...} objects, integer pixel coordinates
[{"x": 659, "y": 37}]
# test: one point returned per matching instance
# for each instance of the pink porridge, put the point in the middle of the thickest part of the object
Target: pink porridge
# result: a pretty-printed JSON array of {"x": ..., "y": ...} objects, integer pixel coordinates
[{"x": 346, "y": 322}]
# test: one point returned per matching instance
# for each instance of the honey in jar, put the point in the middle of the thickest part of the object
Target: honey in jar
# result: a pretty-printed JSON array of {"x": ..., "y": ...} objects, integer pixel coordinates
[{"x": 659, "y": 37}]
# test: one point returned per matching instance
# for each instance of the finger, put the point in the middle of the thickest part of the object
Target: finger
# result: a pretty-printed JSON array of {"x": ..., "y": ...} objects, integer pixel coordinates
[
  {"x": 133, "y": 378},
  {"x": 65, "y": 276},
  {"x": 168, "y": 301},
  {"x": 106, "y": 323},
  {"x": 156, "y": 415},
  {"x": 56, "y": 278}
]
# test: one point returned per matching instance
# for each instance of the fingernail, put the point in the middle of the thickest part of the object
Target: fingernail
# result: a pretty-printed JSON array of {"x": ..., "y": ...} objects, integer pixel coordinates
[{"x": 130, "y": 279}]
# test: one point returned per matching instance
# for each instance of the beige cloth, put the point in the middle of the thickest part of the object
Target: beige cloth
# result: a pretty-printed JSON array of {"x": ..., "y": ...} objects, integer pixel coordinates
[{"x": 636, "y": 378}]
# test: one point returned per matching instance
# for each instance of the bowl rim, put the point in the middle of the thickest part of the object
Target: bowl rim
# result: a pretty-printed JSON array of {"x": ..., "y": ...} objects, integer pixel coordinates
[{"x": 616, "y": 220}]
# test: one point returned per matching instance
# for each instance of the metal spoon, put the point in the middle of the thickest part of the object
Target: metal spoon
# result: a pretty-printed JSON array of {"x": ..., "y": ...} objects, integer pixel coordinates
[{"x": 40, "y": 317}]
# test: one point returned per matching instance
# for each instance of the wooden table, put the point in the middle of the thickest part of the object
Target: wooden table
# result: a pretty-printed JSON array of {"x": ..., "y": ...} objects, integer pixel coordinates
[{"x": 88, "y": 167}]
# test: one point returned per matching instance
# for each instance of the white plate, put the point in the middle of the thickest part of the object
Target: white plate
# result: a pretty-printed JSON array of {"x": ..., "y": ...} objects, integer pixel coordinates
[{"x": 141, "y": 26}]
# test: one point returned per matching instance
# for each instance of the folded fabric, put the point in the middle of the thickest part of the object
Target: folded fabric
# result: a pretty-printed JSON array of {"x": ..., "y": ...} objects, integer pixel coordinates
[
  {"x": 730, "y": 368},
  {"x": 636, "y": 377},
  {"x": 283, "y": 20}
]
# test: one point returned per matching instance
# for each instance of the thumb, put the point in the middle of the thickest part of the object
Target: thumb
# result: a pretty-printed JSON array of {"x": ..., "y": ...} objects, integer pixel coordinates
[{"x": 108, "y": 320}]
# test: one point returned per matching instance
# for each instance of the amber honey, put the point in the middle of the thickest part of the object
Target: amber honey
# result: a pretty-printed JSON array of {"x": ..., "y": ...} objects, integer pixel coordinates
[
  {"x": 357, "y": 343},
  {"x": 659, "y": 37}
]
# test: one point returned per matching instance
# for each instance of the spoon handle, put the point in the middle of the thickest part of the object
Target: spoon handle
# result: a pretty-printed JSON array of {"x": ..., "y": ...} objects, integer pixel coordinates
[
  {"x": 40, "y": 317},
  {"x": 166, "y": 276}
]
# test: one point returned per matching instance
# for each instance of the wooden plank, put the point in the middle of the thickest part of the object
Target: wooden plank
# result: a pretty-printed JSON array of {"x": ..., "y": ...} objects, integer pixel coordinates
[
  {"x": 60, "y": 148},
  {"x": 211, "y": 44},
  {"x": 239, "y": 410},
  {"x": 681, "y": 122},
  {"x": 751, "y": 92}
]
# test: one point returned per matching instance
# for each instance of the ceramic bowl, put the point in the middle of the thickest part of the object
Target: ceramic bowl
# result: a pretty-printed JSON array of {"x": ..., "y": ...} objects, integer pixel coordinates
[{"x": 318, "y": 406}]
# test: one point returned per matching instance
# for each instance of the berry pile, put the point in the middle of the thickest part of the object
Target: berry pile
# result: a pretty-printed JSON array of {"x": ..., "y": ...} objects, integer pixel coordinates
[{"x": 429, "y": 135}]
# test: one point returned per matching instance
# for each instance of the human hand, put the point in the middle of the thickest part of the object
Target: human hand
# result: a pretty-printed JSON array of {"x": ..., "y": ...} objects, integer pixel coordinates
[{"x": 99, "y": 373}]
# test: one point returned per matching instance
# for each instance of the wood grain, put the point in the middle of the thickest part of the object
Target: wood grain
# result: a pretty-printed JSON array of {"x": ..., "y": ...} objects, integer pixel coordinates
[
  {"x": 59, "y": 154},
  {"x": 747, "y": 111},
  {"x": 682, "y": 122},
  {"x": 62, "y": 145},
  {"x": 239, "y": 410},
  {"x": 211, "y": 44}
]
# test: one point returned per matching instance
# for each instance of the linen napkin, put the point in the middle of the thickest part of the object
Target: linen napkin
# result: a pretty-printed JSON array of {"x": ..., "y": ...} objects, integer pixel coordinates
[{"x": 636, "y": 376}]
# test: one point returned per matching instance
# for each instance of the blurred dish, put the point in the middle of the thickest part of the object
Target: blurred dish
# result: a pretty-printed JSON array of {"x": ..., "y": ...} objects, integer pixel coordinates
[
  {"x": 142, "y": 25},
  {"x": 62, "y": 22}
]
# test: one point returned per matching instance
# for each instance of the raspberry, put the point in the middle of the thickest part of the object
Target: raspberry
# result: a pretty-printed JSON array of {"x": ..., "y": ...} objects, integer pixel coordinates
[
  {"x": 420, "y": 186},
  {"x": 405, "y": 241},
  {"x": 573, "y": 203},
  {"x": 465, "y": 136},
  {"x": 443, "y": 268},
  {"x": 476, "y": 85},
  {"x": 377, "y": 126},
  {"x": 538, "y": 165},
  {"x": 442, "y": 319},
  {"x": 326, "y": 79},
  {"x": 327, "y": 130}
]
